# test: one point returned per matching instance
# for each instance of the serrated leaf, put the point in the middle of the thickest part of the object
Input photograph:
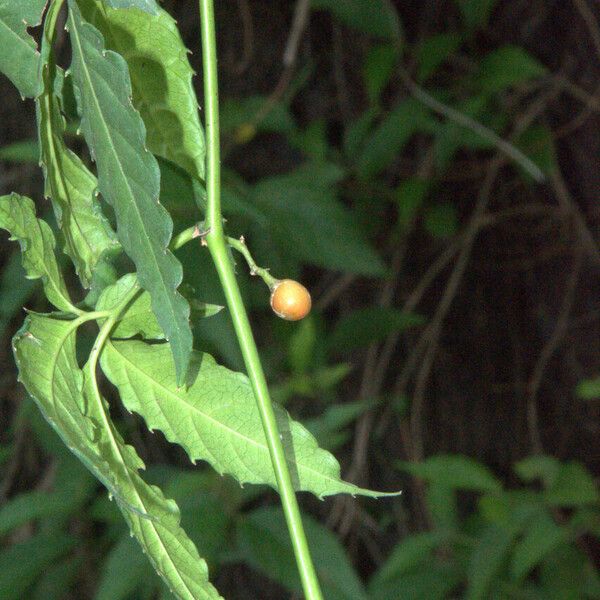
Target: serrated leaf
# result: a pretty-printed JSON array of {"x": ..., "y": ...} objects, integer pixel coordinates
[
  {"x": 215, "y": 418},
  {"x": 129, "y": 179},
  {"x": 45, "y": 354},
  {"x": 69, "y": 184},
  {"x": 17, "y": 216},
  {"x": 19, "y": 59},
  {"x": 161, "y": 79},
  {"x": 138, "y": 318},
  {"x": 149, "y": 6}
]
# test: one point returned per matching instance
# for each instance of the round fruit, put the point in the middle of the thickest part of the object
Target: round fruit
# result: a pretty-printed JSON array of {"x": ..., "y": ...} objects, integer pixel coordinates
[{"x": 290, "y": 300}]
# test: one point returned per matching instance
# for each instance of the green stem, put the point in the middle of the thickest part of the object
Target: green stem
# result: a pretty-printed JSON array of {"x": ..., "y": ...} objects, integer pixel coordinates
[
  {"x": 240, "y": 246},
  {"x": 217, "y": 246},
  {"x": 197, "y": 231}
]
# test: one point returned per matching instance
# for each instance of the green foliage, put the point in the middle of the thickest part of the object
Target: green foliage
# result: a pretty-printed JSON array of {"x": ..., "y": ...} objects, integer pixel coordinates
[
  {"x": 129, "y": 179},
  {"x": 374, "y": 17},
  {"x": 215, "y": 418},
  {"x": 70, "y": 402},
  {"x": 506, "y": 67},
  {"x": 363, "y": 327},
  {"x": 17, "y": 215},
  {"x": 476, "y": 13},
  {"x": 300, "y": 207},
  {"x": 161, "y": 79},
  {"x": 72, "y": 188},
  {"x": 589, "y": 389},
  {"x": 434, "y": 51},
  {"x": 19, "y": 59},
  {"x": 134, "y": 91},
  {"x": 382, "y": 146},
  {"x": 496, "y": 550},
  {"x": 262, "y": 535},
  {"x": 149, "y": 6}
]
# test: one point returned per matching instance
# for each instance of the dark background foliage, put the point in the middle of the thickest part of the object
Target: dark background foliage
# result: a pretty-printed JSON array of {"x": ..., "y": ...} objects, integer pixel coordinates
[{"x": 499, "y": 274}]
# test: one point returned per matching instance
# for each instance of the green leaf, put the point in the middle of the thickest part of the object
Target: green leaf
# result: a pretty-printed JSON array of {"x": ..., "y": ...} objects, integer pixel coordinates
[
  {"x": 374, "y": 17},
  {"x": 572, "y": 486},
  {"x": 368, "y": 325},
  {"x": 138, "y": 318},
  {"x": 442, "y": 506},
  {"x": 407, "y": 555},
  {"x": 537, "y": 142},
  {"x": 588, "y": 389},
  {"x": 129, "y": 179},
  {"x": 538, "y": 467},
  {"x": 380, "y": 63},
  {"x": 441, "y": 220},
  {"x": 455, "y": 471},
  {"x": 17, "y": 216},
  {"x": 161, "y": 79},
  {"x": 410, "y": 195},
  {"x": 22, "y": 564},
  {"x": 13, "y": 297},
  {"x": 434, "y": 51},
  {"x": 506, "y": 67},
  {"x": 35, "y": 505},
  {"x": 357, "y": 131},
  {"x": 308, "y": 222},
  {"x": 19, "y": 59},
  {"x": 26, "y": 151},
  {"x": 541, "y": 537},
  {"x": 122, "y": 572},
  {"x": 567, "y": 574},
  {"x": 149, "y": 6},
  {"x": 432, "y": 580},
  {"x": 215, "y": 418},
  {"x": 263, "y": 542},
  {"x": 487, "y": 559},
  {"x": 329, "y": 427},
  {"x": 238, "y": 116},
  {"x": 57, "y": 580},
  {"x": 476, "y": 13},
  {"x": 71, "y": 187},
  {"x": 390, "y": 136},
  {"x": 45, "y": 354}
]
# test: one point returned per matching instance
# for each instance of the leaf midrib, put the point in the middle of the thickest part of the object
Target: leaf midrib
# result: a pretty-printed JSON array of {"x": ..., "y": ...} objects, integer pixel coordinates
[
  {"x": 224, "y": 427},
  {"x": 120, "y": 167}
]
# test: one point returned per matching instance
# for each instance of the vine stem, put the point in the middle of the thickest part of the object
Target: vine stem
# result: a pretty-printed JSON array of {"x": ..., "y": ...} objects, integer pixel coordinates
[{"x": 217, "y": 245}]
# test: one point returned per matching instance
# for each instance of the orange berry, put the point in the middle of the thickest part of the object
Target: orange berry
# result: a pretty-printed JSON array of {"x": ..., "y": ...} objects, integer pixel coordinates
[{"x": 290, "y": 300}]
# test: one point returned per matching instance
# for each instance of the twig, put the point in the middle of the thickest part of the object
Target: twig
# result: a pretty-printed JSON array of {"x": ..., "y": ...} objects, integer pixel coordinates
[
  {"x": 429, "y": 338},
  {"x": 570, "y": 206},
  {"x": 549, "y": 349},
  {"x": 484, "y": 132},
  {"x": 247, "y": 37}
]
